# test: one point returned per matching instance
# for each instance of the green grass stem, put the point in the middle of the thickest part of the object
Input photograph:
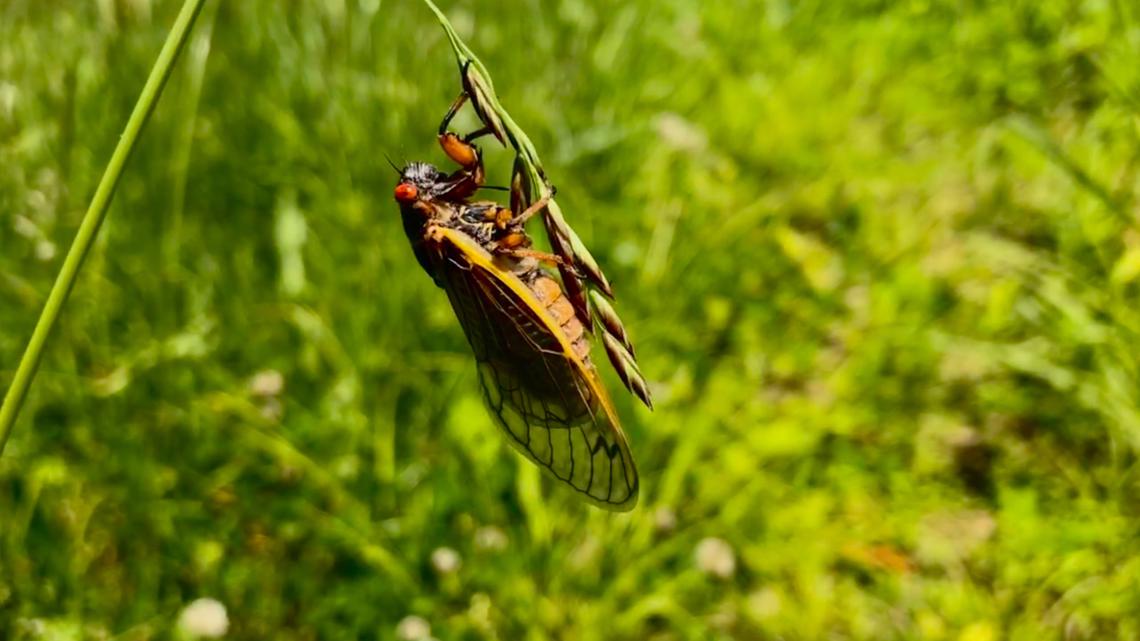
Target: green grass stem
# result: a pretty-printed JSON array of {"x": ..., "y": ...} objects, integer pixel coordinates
[{"x": 93, "y": 218}]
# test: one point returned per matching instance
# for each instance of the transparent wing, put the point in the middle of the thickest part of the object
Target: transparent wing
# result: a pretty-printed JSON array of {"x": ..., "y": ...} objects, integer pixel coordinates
[{"x": 547, "y": 398}]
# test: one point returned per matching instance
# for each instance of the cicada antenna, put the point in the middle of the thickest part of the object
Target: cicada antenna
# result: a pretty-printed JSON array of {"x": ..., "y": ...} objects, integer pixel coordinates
[{"x": 393, "y": 165}]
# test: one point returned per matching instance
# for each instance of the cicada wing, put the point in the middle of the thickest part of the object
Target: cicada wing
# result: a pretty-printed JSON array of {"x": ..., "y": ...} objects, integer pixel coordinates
[
  {"x": 546, "y": 398},
  {"x": 589, "y": 456}
]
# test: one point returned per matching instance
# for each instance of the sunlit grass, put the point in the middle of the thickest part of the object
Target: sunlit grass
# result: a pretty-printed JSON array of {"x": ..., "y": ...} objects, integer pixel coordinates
[{"x": 880, "y": 264}]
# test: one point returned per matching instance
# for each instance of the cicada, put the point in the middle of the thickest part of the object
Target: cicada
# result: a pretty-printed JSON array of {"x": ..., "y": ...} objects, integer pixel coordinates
[{"x": 530, "y": 340}]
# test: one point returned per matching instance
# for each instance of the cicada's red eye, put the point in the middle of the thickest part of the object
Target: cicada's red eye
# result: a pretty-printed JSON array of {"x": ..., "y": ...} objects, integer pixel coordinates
[{"x": 406, "y": 192}]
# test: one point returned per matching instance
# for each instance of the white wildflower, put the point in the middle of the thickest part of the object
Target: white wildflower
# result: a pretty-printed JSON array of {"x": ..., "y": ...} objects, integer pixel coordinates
[
  {"x": 664, "y": 519},
  {"x": 491, "y": 538},
  {"x": 413, "y": 628},
  {"x": 715, "y": 557},
  {"x": 267, "y": 382},
  {"x": 204, "y": 618},
  {"x": 445, "y": 560}
]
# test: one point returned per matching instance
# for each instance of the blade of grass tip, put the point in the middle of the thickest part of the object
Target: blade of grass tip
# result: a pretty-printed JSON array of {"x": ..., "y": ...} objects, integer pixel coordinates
[
  {"x": 93, "y": 218},
  {"x": 521, "y": 142}
]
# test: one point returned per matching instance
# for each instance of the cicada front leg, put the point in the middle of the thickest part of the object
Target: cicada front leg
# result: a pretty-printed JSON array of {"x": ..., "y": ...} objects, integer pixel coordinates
[
  {"x": 474, "y": 91},
  {"x": 466, "y": 180}
]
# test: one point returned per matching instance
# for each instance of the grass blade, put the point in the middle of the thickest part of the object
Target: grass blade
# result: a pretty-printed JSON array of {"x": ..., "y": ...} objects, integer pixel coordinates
[{"x": 93, "y": 218}]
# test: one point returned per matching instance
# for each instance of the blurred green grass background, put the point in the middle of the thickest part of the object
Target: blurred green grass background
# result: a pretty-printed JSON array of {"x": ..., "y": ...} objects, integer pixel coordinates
[{"x": 879, "y": 259}]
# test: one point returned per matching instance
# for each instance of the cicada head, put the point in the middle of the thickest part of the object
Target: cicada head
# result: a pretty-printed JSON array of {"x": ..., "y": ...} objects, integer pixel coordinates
[
  {"x": 416, "y": 192},
  {"x": 419, "y": 194},
  {"x": 419, "y": 181}
]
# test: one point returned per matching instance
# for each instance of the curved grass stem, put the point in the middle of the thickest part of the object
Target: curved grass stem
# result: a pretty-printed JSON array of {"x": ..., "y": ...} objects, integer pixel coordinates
[{"x": 93, "y": 218}]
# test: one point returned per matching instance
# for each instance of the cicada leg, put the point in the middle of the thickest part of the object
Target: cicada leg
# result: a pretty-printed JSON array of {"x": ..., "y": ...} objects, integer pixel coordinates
[
  {"x": 460, "y": 149},
  {"x": 474, "y": 93},
  {"x": 520, "y": 196},
  {"x": 511, "y": 221},
  {"x": 500, "y": 216},
  {"x": 517, "y": 245},
  {"x": 521, "y": 217},
  {"x": 520, "y": 187},
  {"x": 466, "y": 180},
  {"x": 541, "y": 256}
]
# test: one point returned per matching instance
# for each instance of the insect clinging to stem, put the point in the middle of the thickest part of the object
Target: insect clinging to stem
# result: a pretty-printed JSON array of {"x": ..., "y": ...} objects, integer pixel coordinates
[{"x": 530, "y": 333}]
